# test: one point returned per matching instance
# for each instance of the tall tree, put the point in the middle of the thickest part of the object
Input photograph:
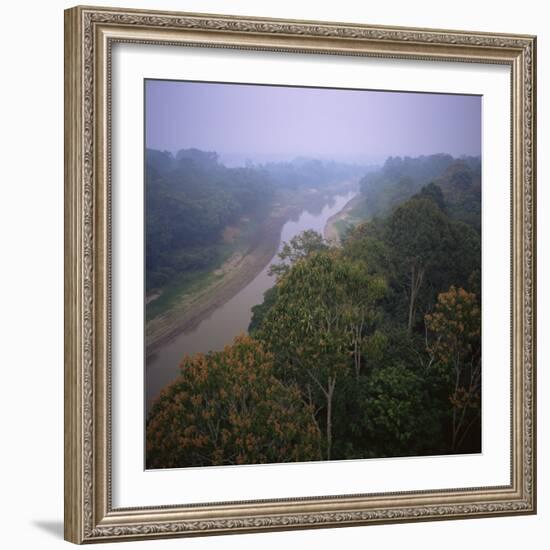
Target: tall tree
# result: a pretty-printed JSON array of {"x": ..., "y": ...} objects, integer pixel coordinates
[
  {"x": 419, "y": 235},
  {"x": 455, "y": 347},
  {"x": 316, "y": 327},
  {"x": 228, "y": 408},
  {"x": 300, "y": 246},
  {"x": 389, "y": 412}
]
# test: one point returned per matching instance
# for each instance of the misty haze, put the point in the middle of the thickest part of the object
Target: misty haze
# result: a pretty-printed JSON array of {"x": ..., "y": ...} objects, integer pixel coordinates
[{"x": 313, "y": 274}]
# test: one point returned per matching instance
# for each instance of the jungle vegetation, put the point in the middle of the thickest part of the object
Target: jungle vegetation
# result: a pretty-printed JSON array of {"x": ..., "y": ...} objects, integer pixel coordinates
[
  {"x": 195, "y": 205},
  {"x": 369, "y": 349}
]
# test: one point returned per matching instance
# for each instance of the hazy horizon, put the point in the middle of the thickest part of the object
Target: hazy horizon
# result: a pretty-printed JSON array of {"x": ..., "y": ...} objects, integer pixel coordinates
[{"x": 260, "y": 123}]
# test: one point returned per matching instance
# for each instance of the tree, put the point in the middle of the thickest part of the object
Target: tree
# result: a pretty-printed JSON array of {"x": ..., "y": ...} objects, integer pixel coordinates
[
  {"x": 228, "y": 408},
  {"x": 390, "y": 413},
  {"x": 365, "y": 243},
  {"x": 362, "y": 291},
  {"x": 259, "y": 311},
  {"x": 455, "y": 347},
  {"x": 419, "y": 235},
  {"x": 191, "y": 198},
  {"x": 316, "y": 327},
  {"x": 300, "y": 246},
  {"x": 434, "y": 193},
  {"x": 398, "y": 180},
  {"x": 464, "y": 255}
]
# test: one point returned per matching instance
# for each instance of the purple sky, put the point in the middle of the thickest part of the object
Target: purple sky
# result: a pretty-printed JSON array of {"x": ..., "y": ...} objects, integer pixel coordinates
[{"x": 263, "y": 123}]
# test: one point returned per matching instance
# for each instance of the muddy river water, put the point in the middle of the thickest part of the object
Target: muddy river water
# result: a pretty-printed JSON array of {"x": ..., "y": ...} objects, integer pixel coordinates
[{"x": 233, "y": 317}]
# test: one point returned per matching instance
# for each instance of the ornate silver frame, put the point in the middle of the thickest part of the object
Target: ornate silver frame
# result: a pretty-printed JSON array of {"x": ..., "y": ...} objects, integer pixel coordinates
[{"x": 89, "y": 35}]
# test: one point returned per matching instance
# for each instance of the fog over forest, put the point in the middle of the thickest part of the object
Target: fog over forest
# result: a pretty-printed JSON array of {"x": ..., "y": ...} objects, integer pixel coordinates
[{"x": 313, "y": 274}]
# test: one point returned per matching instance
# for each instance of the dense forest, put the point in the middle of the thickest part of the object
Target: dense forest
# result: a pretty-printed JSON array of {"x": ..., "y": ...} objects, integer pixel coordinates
[
  {"x": 191, "y": 198},
  {"x": 400, "y": 178},
  {"x": 195, "y": 204},
  {"x": 368, "y": 349}
]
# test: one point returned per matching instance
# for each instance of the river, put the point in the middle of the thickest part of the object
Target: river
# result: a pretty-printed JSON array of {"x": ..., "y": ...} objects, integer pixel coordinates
[{"x": 233, "y": 317}]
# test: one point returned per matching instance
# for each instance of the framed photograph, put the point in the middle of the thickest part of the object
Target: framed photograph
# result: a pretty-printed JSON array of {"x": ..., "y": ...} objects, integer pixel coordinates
[{"x": 300, "y": 274}]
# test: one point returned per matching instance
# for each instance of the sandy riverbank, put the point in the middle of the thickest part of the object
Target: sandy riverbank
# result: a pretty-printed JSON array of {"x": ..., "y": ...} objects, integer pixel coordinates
[
  {"x": 237, "y": 272},
  {"x": 330, "y": 233}
]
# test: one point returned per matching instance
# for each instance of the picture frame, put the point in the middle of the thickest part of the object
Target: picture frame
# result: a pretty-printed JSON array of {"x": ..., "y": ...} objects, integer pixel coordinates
[{"x": 90, "y": 35}]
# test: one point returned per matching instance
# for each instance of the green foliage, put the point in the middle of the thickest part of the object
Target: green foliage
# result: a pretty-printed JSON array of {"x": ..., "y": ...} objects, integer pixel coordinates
[
  {"x": 399, "y": 179},
  {"x": 389, "y": 413},
  {"x": 365, "y": 244},
  {"x": 453, "y": 184},
  {"x": 455, "y": 351},
  {"x": 429, "y": 251},
  {"x": 434, "y": 193},
  {"x": 300, "y": 246},
  {"x": 319, "y": 301},
  {"x": 228, "y": 408},
  {"x": 316, "y": 328},
  {"x": 461, "y": 187},
  {"x": 190, "y": 200},
  {"x": 418, "y": 233},
  {"x": 259, "y": 311},
  {"x": 372, "y": 349}
]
